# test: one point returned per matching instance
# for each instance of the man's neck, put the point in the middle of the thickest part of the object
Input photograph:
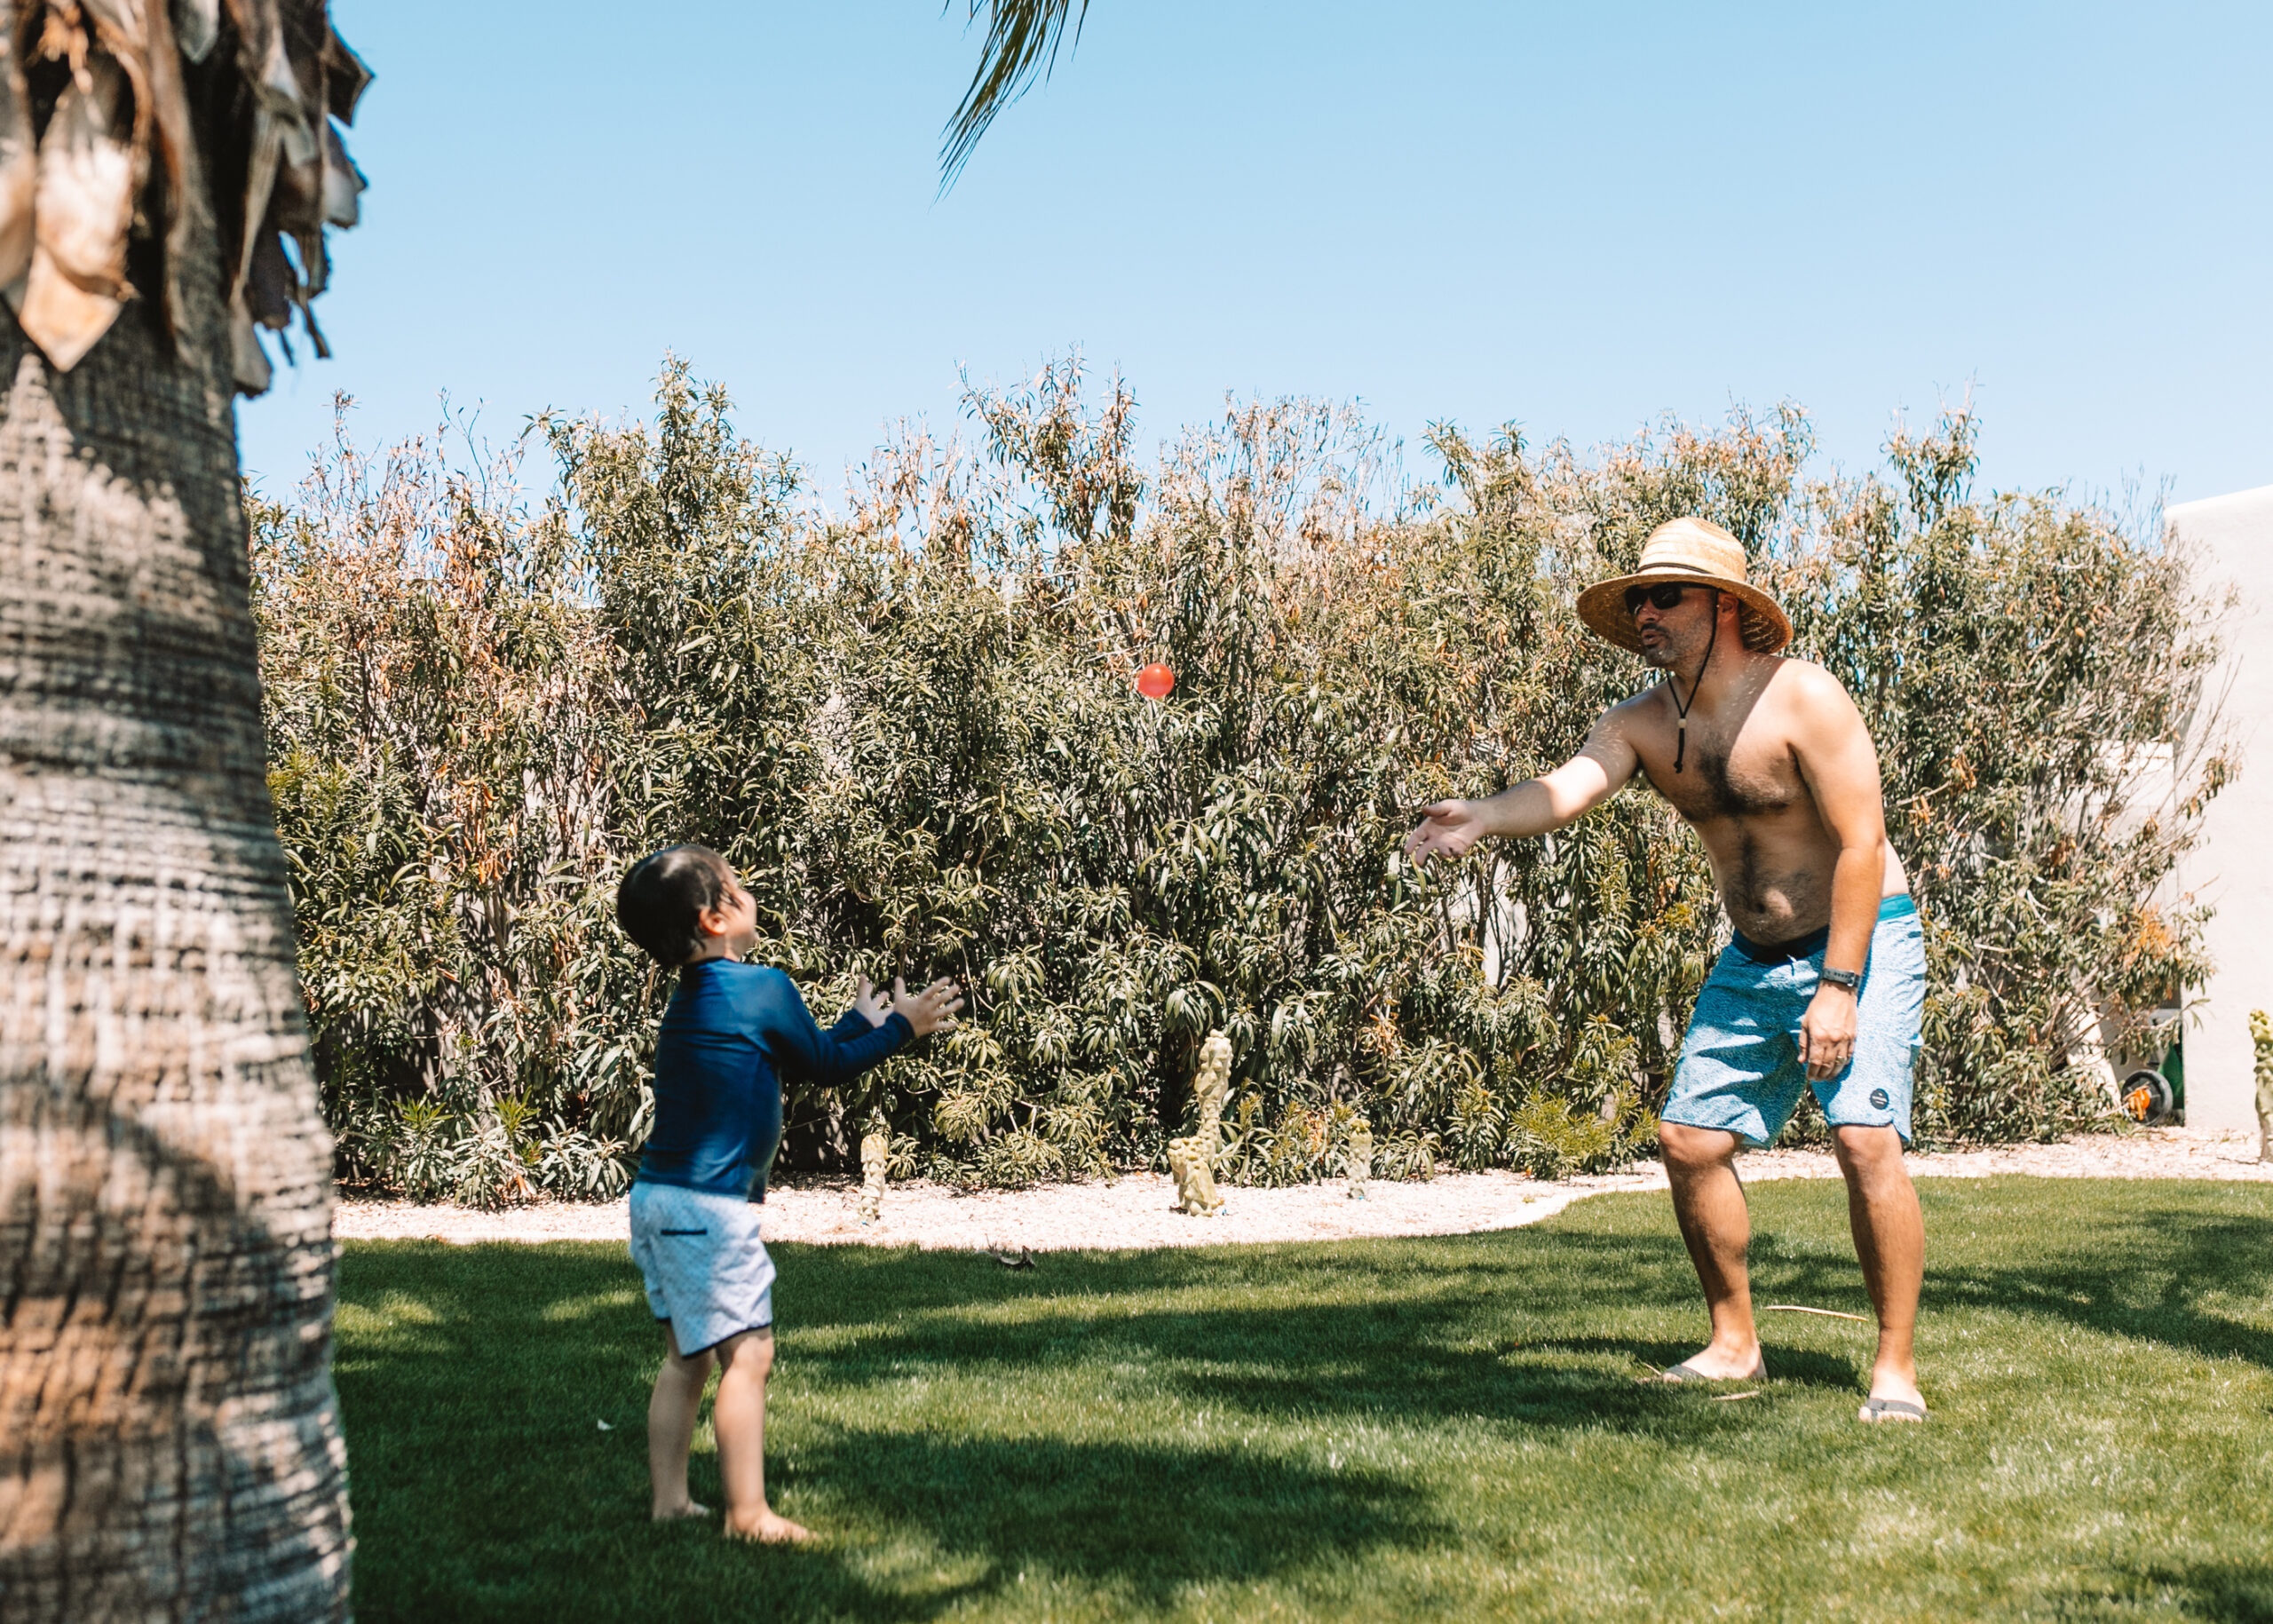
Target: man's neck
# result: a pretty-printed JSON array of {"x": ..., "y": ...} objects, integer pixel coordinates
[{"x": 1690, "y": 672}]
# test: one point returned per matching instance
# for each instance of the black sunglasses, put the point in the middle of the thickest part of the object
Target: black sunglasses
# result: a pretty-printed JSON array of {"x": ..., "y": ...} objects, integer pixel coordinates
[{"x": 1663, "y": 596}]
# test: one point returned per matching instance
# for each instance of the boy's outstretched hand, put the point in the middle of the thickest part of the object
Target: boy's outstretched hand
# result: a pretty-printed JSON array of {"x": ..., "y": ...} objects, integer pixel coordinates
[{"x": 933, "y": 1009}]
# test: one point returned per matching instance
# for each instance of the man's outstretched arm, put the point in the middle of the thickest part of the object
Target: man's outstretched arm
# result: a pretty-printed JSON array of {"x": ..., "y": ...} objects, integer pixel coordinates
[{"x": 1537, "y": 805}]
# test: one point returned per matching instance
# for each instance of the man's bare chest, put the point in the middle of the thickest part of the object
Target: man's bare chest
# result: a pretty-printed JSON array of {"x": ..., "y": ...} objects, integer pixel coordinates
[{"x": 1748, "y": 771}]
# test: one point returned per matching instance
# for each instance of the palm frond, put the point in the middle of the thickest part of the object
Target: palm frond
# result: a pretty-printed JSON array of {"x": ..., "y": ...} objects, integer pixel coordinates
[{"x": 1022, "y": 40}]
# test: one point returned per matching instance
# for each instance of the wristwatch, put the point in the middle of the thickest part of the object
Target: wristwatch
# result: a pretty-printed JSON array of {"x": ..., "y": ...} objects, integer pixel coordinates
[{"x": 1851, "y": 979}]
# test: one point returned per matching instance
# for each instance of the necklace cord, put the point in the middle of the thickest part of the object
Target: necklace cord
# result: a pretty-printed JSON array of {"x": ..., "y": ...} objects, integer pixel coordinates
[{"x": 1681, "y": 711}]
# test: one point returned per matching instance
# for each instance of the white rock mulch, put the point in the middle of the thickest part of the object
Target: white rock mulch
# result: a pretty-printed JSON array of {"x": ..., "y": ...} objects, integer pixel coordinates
[{"x": 1135, "y": 1210}]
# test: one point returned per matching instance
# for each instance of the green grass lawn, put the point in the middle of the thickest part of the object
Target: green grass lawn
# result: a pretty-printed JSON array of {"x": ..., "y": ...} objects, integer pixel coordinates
[{"x": 1447, "y": 1427}]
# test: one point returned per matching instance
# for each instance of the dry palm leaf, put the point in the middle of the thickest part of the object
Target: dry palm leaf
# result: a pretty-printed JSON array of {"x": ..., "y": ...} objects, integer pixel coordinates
[
  {"x": 87, "y": 88},
  {"x": 19, "y": 165},
  {"x": 81, "y": 209},
  {"x": 197, "y": 24}
]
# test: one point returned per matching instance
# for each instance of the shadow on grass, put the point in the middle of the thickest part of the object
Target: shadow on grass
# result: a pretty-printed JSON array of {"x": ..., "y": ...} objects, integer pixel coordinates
[
  {"x": 2229, "y": 1593},
  {"x": 1800, "y": 1366},
  {"x": 2232, "y": 1593},
  {"x": 1141, "y": 1523},
  {"x": 471, "y": 1378},
  {"x": 2148, "y": 1276},
  {"x": 1425, "y": 1331}
]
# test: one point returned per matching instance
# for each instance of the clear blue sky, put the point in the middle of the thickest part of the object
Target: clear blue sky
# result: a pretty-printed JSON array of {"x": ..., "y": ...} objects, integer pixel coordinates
[{"x": 1578, "y": 217}]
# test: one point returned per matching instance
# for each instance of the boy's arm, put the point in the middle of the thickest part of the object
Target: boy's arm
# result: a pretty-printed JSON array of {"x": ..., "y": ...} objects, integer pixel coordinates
[{"x": 837, "y": 1056}]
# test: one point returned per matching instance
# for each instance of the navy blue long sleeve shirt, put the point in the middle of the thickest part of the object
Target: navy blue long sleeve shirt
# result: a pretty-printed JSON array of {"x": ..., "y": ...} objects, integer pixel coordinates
[{"x": 729, "y": 1031}]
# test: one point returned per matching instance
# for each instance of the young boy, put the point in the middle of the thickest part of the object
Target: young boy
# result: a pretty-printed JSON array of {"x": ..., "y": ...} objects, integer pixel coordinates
[{"x": 729, "y": 1031}]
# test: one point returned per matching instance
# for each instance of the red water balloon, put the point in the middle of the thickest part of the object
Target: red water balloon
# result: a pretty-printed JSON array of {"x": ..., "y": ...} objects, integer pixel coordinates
[{"x": 1155, "y": 680}]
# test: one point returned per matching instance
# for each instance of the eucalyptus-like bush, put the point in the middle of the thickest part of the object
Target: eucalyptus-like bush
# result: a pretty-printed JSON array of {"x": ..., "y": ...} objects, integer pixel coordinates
[{"x": 910, "y": 721}]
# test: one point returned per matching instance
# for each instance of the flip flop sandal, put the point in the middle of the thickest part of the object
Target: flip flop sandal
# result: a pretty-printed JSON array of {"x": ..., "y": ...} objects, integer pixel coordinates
[
  {"x": 1684, "y": 1372},
  {"x": 1890, "y": 1409}
]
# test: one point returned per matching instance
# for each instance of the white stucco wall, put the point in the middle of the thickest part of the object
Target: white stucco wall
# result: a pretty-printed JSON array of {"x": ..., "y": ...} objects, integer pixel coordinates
[{"x": 2232, "y": 869}]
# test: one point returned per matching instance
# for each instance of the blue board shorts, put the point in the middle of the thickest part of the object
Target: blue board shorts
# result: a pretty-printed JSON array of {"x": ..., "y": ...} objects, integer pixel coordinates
[
  {"x": 707, "y": 1271},
  {"x": 1740, "y": 1067}
]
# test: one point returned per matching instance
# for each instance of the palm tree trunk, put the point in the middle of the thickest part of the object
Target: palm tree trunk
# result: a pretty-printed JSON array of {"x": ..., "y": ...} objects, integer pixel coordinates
[{"x": 170, "y": 1442}]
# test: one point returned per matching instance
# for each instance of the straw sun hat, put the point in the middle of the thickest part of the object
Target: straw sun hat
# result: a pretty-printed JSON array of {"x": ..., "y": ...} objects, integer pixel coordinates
[{"x": 1691, "y": 549}]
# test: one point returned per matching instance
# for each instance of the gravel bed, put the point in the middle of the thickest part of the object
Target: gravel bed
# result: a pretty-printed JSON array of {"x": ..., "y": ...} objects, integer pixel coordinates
[{"x": 1136, "y": 1211}]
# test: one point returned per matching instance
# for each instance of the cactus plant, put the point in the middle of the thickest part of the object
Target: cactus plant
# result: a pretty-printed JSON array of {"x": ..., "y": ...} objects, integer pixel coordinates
[{"x": 2260, "y": 1032}]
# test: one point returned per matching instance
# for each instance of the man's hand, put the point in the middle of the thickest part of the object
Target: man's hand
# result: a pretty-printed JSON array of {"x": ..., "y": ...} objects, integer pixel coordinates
[
  {"x": 933, "y": 1009},
  {"x": 1827, "y": 1032},
  {"x": 873, "y": 1004},
  {"x": 1448, "y": 829}
]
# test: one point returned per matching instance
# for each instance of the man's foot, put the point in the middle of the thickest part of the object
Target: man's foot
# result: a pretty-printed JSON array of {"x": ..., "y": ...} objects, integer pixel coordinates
[
  {"x": 685, "y": 1512},
  {"x": 1894, "y": 1396},
  {"x": 1717, "y": 1364},
  {"x": 1890, "y": 1409},
  {"x": 768, "y": 1527}
]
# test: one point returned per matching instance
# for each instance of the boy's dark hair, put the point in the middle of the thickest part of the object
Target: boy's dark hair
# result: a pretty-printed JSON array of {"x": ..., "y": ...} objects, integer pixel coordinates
[{"x": 660, "y": 900}]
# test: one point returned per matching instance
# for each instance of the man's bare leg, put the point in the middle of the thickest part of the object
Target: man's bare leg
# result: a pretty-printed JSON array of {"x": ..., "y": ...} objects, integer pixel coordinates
[
  {"x": 670, "y": 1430},
  {"x": 738, "y": 1415},
  {"x": 1890, "y": 1241},
  {"x": 1708, "y": 1199}
]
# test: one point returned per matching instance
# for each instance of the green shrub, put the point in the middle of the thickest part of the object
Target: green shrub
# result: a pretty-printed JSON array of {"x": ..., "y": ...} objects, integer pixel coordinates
[{"x": 910, "y": 722}]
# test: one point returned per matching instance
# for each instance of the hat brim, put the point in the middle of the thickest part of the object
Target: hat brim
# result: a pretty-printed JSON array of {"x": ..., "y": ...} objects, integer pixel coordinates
[{"x": 1603, "y": 608}]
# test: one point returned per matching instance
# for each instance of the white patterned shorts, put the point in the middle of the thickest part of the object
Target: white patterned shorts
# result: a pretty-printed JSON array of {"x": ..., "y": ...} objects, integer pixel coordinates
[{"x": 707, "y": 1271}]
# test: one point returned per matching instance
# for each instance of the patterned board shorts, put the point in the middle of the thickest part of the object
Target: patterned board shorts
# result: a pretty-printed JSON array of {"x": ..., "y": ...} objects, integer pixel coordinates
[
  {"x": 706, "y": 1272},
  {"x": 1741, "y": 1066}
]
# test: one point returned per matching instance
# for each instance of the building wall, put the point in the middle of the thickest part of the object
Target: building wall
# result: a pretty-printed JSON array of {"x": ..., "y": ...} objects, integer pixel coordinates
[{"x": 2232, "y": 869}]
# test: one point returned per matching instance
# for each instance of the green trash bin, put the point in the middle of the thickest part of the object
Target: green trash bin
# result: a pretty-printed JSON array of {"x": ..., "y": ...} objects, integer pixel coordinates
[{"x": 2152, "y": 1095}]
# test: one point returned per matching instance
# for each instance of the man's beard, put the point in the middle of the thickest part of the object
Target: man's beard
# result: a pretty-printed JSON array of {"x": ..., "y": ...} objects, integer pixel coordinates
[{"x": 1664, "y": 655}]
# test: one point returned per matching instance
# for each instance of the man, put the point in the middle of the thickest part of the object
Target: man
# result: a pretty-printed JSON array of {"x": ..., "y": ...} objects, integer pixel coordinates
[{"x": 1825, "y": 983}]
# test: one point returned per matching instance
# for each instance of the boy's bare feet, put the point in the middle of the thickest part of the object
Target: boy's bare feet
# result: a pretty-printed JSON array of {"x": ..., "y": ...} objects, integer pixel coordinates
[
  {"x": 688, "y": 1511},
  {"x": 769, "y": 1527}
]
